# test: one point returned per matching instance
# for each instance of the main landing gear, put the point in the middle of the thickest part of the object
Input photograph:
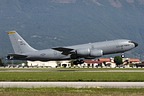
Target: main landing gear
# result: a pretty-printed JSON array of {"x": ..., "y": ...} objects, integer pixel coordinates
[{"x": 78, "y": 62}]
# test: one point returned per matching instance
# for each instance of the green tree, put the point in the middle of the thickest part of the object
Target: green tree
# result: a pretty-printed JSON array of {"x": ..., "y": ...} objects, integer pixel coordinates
[{"x": 118, "y": 60}]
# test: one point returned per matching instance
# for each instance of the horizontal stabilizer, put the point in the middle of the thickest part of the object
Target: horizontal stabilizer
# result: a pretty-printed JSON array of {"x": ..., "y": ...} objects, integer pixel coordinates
[
  {"x": 64, "y": 51},
  {"x": 15, "y": 56}
]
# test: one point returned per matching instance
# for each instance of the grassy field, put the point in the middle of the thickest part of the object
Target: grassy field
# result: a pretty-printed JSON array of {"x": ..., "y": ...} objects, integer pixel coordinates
[
  {"x": 74, "y": 74},
  {"x": 70, "y": 75},
  {"x": 70, "y": 92}
]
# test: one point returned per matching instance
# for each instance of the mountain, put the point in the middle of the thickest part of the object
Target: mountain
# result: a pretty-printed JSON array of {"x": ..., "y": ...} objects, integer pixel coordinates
[{"x": 51, "y": 23}]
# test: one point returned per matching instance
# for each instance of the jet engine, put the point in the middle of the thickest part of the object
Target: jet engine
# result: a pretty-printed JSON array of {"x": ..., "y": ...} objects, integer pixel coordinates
[{"x": 89, "y": 52}]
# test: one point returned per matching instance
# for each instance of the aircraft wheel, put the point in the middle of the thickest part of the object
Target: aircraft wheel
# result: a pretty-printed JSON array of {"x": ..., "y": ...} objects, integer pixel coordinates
[{"x": 78, "y": 62}]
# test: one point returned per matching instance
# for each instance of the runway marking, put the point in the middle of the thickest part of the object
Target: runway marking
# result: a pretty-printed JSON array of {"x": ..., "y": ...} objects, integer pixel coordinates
[{"x": 72, "y": 84}]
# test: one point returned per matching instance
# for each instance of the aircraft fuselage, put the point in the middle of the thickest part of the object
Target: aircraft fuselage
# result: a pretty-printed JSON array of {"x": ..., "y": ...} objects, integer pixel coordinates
[{"x": 107, "y": 47}]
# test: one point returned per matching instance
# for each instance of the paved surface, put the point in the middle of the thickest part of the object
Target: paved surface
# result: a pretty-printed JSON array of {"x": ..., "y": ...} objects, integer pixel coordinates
[
  {"x": 67, "y": 70},
  {"x": 72, "y": 84}
]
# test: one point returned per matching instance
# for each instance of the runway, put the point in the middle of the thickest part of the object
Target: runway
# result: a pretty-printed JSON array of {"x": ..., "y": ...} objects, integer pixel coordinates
[{"x": 72, "y": 84}]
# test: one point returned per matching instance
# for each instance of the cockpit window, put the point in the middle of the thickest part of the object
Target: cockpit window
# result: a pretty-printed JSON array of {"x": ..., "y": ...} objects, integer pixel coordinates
[
  {"x": 136, "y": 44},
  {"x": 131, "y": 42}
]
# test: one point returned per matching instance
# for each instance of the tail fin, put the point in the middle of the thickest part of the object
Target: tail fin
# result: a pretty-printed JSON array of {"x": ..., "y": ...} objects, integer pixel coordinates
[{"x": 19, "y": 44}]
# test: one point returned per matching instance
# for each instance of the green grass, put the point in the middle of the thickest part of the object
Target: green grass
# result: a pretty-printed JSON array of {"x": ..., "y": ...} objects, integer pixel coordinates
[
  {"x": 70, "y": 92},
  {"x": 73, "y": 76}
]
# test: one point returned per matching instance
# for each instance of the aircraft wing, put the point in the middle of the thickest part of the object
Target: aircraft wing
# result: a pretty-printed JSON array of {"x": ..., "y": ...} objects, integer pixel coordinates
[
  {"x": 64, "y": 51},
  {"x": 15, "y": 56}
]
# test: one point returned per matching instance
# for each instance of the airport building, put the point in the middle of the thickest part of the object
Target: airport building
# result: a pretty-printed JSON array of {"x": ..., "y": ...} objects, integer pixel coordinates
[
  {"x": 50, "y": 64},
  {"x": 99, "y": 63}
]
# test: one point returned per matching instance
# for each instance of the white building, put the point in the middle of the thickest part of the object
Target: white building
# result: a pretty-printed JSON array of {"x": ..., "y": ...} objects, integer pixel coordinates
[{"x": 52, "y": 64}]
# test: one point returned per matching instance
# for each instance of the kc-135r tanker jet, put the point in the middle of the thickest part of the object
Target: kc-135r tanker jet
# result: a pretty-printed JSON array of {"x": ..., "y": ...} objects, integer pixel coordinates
[{"x": 23, "y": 51}]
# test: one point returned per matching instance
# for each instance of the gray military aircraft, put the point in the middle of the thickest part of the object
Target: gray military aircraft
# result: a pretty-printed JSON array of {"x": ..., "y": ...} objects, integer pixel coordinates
[{"x": 23, "y": 51}]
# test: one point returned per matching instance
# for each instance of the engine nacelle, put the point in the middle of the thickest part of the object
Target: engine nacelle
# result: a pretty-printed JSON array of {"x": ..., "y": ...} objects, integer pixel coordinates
[
  {"x": 83, "y": 52},
  {"x": 89, "y": 52},
  {"x": 96, "y": 53}
]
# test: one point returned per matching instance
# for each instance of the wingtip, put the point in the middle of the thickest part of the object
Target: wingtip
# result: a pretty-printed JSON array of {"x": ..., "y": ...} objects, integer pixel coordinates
[{"x": 11, "y": 32}]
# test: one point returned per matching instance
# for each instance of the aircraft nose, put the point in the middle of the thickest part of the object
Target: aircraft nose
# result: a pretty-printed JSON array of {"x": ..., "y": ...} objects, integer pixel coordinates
[{"x": 136, "y": 44}]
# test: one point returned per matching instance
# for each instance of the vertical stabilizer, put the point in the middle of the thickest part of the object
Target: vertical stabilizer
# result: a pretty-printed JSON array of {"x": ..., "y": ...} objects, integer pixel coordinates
[{"x": 19, "y": 44}]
